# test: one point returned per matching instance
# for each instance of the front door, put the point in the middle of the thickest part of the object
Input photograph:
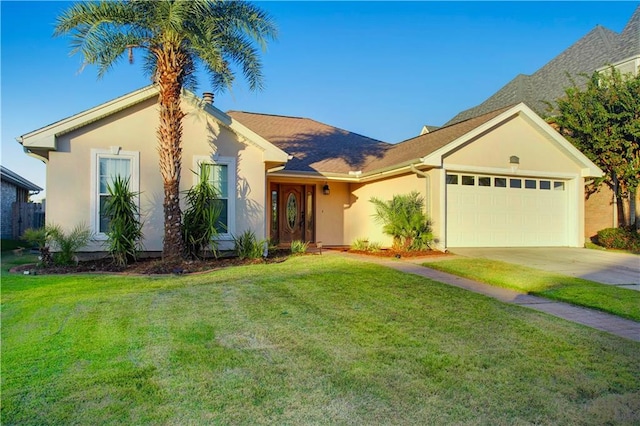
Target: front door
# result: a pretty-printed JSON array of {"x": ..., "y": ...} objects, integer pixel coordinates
[{"x": 295, "y": 205}]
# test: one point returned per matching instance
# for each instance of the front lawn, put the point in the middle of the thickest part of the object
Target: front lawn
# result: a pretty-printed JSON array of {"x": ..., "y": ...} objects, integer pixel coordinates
[
  {"x": 313, "y": 340},
  {"x": 608, "y": 298}
]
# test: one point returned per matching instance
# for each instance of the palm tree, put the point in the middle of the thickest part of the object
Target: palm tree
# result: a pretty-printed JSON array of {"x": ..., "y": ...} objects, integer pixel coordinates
[{"x": 177, "y": 37}]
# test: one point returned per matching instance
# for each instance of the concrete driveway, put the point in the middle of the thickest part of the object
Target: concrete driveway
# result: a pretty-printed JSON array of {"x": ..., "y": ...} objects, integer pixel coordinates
[{"x": 605, "y": 267}]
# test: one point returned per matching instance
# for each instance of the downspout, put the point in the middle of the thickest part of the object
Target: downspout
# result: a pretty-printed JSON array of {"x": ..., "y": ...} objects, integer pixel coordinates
[{"x": 428, "y": 192}]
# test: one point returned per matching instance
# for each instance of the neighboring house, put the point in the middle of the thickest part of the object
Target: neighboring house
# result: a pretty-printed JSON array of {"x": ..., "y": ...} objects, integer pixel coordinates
[
  {"x": 595, "y": 51},
  {"x": 15, "y": 189},
  {"x": 504, "y": 178}
]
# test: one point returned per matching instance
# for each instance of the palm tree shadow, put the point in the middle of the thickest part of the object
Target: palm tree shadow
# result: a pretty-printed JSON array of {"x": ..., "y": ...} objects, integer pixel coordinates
[{"x": 337, "y": 151}]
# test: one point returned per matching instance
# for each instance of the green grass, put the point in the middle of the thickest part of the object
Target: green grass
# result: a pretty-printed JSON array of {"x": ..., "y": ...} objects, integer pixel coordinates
[
  {"x": 608, "y": 298},
  {"x": 313, "y": 340}
]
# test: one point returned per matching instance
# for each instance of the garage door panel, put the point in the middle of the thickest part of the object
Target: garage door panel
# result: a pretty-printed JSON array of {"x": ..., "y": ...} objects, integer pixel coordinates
[{"x": 497, "y": 216}]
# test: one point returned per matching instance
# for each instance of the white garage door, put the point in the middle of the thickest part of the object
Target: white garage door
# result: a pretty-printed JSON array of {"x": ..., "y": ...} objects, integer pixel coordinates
[{"x": 505, "y": 211}]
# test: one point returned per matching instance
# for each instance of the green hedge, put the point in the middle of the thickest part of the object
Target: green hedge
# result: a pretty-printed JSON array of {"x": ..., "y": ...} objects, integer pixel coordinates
[{"x": 619, "y": 238}]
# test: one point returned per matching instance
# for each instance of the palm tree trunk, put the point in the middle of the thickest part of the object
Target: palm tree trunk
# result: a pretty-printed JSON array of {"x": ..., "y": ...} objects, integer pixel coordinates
[{"x": 169, "y": 79}]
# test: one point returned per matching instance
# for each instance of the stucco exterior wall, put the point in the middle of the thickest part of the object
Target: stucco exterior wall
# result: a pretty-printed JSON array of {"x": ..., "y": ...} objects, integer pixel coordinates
[
  {"x": 359, "y": 221},
  {"x": 69, "y": 172},
  {"x": 515, "y": 137}
]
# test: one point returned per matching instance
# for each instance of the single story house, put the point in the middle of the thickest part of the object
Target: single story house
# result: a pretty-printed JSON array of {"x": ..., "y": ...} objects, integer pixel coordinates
[
  {"x": 503, "y": 178},
  {"x": 15, "y": 190}
]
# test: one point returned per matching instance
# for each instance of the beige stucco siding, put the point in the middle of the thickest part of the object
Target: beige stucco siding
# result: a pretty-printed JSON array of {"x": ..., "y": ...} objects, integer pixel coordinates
[
  {"x": 515, "y": 137},
  {"x": 359, "y": 221},
  {"x": 69, "y": 174}
]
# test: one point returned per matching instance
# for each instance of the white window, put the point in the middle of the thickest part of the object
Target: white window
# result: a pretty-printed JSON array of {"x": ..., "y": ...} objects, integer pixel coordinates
[
  {"x": 222, "y": 174},
  {"x": 106, "y": 165}
]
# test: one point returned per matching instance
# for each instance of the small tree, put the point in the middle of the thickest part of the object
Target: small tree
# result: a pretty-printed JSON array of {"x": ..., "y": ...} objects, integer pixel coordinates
[
  {"x": 404, "y": 219},
  {"x": 603, "y": 121},
  {"x": 125, "y": 229},
  {"x": 41, "y": 238},
  {"x": 202, "y": 217},
  {"x": 67, "y": 244}
]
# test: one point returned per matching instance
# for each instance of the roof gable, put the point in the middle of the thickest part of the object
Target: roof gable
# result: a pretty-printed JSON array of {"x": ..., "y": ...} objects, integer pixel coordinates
[
  {"x": 588, "y": 168},
  {"x": 45, "y": 138}
]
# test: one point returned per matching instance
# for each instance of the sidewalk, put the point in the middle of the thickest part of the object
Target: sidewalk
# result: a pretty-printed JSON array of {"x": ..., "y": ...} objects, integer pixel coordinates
[{"x": 625, "y": 328}]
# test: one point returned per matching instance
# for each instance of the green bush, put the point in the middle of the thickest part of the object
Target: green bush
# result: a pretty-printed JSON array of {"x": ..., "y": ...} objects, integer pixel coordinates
[
  {"x": 619, "y": 238},
  {"x": 299, "y": 247},
  {"x": 66, "y": 245},
  {"x": 125, "y": 228},
  {"x": 200, "y": 220},
  {"x": 404, "y": 219},
  {"x": 247, "y": 247},
  {"x": 40, "y": 238},
  {"x": 363, "y": 244}
]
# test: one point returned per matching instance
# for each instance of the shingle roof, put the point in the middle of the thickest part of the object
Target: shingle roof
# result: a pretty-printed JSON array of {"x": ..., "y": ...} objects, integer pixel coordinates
[
  {"x": 17, "y": 180},
  {"x": 596, "y": 49},
  {"x": 318, "y": 147},
  {"x": 315, "y": 146}
]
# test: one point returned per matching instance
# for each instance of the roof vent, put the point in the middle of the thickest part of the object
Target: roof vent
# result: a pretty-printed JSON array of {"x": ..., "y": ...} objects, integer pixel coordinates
[{"x": 207, "y": 97}]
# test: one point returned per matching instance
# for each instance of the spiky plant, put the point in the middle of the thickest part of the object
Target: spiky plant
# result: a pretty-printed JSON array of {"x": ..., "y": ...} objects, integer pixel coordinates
[
  {"x": 404, "y": 219},
  {"x": 178, "y": 37},
  {"x": 125, "y": 228},
  {"x": 202, "y": 216}
]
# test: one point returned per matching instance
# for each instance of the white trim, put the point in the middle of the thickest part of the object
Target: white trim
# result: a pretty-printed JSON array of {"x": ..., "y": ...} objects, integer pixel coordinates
[
  {"x": 231, "y": 163},
  {"x": 588, "y": 168},
  {"x": 94, "y": 217},
  {"x": 509, "y": 172},
  {"x": 46, "y": 137}
]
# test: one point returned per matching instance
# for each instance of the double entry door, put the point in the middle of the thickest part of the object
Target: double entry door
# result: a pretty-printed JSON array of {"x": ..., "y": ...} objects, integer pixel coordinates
[{"x": 292, "y": 212}]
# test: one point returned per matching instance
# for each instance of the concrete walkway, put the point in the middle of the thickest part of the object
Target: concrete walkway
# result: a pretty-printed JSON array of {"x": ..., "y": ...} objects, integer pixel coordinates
[{"x": 625, "y": 328}]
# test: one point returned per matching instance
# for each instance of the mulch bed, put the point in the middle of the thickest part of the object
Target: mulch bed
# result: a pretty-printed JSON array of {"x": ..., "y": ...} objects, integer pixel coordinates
[{"x": 150, "y": 266}]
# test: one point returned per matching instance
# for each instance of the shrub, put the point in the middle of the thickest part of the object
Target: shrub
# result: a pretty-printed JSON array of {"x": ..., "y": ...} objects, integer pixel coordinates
[
  {"x": 200, "y": 219},
  {"x": 125, "y": 228},
  {"x": 404, "y": 219},
  {"x": 67, "y": 245},
  {"x": 40, "y": 238},
  {"x": 619, "y": 238},
  {"x": 247, "y": 247},
  {"x": 299, "y": 247},
  {"x": 363, "y": 244}
]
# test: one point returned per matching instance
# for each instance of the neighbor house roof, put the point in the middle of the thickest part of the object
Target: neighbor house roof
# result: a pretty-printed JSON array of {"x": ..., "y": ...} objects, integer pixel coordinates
[
  {"x": 315, "y": 146},
  {"x": 597, "y": 48},
  {"x": 17, "y": 180}
]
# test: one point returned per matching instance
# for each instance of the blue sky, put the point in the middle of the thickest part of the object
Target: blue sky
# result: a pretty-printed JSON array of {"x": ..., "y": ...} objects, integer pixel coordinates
[{"x": 381, "y": 69}]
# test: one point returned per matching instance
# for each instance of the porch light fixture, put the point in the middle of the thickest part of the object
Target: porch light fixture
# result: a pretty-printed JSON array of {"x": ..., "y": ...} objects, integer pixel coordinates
[
  {"x": 325, "y": 189},
  {"x": 514, "y": 162}
]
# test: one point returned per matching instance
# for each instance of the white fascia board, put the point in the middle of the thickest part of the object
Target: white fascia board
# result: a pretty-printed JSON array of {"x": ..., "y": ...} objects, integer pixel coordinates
[
  {"x": 435, "y": 159},
  {"x": 338, "y": 177},
  {"x": 587, "y": 167},
  {"x": 45, "y": 137}
]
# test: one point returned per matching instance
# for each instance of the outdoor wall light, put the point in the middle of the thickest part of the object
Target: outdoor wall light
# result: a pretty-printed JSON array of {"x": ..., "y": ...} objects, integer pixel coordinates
[{"x": 325, "y": 189}]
